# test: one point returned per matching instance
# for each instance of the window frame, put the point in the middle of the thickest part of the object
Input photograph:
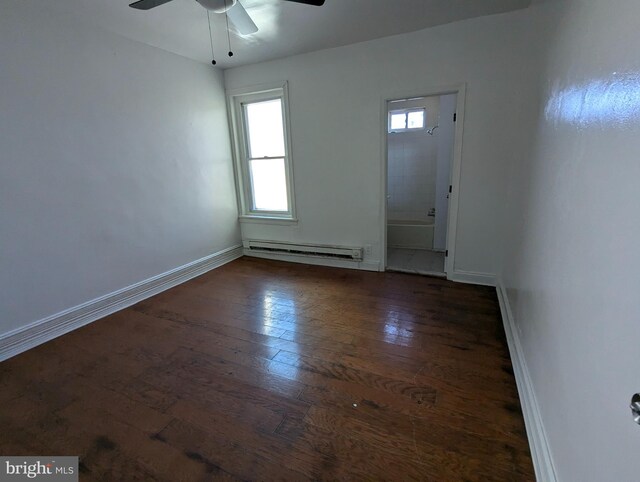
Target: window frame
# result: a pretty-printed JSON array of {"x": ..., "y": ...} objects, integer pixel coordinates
[
  {"x": 406, "y": 113},
  {"x": 236, "y": 101}
]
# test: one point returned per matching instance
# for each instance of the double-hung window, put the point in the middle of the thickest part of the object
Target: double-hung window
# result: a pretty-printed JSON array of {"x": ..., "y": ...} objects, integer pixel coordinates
[{"x": 262, "y": 153}]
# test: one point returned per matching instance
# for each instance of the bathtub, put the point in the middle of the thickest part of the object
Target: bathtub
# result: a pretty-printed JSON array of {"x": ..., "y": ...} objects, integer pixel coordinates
[{"x": 410, "y": 234}]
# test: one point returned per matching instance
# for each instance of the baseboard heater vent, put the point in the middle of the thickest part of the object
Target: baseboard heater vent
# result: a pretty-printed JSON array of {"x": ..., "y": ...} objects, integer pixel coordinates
[{"x": 322, "y": 251}]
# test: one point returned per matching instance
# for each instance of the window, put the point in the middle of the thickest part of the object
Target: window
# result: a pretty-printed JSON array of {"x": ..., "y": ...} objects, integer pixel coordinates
[
  {"x": 406, "y": 120},
  {"x": 261, "y": 148}
]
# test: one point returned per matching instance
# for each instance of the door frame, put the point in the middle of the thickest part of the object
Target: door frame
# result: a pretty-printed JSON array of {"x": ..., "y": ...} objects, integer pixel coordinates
[{"x": 454, "y": 197}]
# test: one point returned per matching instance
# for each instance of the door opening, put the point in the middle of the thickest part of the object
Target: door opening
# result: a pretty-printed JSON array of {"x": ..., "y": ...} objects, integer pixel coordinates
[{"x": 420, "y": 176}]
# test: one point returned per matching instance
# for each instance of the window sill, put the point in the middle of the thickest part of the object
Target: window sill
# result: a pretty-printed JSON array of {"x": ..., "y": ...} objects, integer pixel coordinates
[{"x": 267, "y": 220}]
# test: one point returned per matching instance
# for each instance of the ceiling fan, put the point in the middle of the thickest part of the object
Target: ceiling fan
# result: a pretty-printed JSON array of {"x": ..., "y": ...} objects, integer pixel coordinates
[{"x": 233, "y": 8}]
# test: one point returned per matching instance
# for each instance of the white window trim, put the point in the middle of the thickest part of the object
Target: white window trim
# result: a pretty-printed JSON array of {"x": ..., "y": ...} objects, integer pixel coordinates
[
  {"x": 406, "y": 112},
  {"x": 235, "y": 99}
]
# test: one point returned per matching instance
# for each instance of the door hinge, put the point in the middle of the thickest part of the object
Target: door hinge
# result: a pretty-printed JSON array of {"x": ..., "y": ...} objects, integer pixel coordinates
[
  {"x": 450, "y": 188},
  {"x": 455, "y": 116},
  {"x": 446, "y": 253}
]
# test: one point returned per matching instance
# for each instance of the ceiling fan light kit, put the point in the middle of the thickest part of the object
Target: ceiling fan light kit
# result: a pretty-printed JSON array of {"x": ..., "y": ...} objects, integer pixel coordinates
[
  {"x": 232, "y": 9},
  {"x": 217, "y": 6}
]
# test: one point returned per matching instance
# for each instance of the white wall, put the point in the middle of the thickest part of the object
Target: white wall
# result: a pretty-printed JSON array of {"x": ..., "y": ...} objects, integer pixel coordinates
[
  {"x": 571, "y": 261},
  {"x": 337, "y": 117},
  {"x": 411, "y": 179},
  {"x": 446, "y": 136},
  {"x": 114, "y": 163}
]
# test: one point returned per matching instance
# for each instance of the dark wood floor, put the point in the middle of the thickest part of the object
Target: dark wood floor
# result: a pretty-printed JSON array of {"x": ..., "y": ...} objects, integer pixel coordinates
[{"x": 263, "y": 370}]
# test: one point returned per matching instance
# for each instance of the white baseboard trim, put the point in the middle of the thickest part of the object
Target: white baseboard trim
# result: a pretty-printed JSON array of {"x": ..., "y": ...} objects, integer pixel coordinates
[
  {"x": 317, "y": 261},
  {"x": 472, "y": 277},
  {"x": 41, "y": 331},
  {"x": 540, "y": 450}
]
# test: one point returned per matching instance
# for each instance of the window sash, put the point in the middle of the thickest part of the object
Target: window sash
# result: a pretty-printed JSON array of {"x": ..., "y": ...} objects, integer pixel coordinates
[
  {"x": 247, "y": 130},
  {"x": 406, "y": 113},
  {"x": 253, "y": 183}
]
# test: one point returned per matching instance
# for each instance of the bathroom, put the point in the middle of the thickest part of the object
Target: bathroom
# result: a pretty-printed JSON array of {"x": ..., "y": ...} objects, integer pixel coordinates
[{"x": 421, "y": 135}]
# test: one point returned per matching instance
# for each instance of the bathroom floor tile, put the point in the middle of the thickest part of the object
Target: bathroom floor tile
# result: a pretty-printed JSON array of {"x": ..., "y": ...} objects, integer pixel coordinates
[{"x": 419, "y": 261}]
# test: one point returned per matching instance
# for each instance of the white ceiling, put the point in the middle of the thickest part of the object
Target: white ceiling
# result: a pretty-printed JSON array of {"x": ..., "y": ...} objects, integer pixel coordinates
[{"x": 285, "y": 28}]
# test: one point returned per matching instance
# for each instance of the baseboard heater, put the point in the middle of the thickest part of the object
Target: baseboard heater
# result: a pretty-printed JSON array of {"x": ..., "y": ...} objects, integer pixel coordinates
[{"x": 317, "y": 250}]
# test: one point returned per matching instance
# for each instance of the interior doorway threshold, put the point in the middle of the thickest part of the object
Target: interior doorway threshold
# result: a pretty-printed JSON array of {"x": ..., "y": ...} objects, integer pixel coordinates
[{"x": 433, "y": 274}]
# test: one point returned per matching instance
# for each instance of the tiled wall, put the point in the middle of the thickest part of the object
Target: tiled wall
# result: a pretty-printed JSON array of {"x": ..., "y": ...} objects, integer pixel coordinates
[{"x": 412, "y": 169}]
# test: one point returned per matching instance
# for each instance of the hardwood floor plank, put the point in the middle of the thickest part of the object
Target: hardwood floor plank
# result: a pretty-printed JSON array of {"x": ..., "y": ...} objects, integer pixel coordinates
[
  {"x": 263, "y": 370},
  {"x": 218, "y": 454},
  {"x": 413, "y": 444}
]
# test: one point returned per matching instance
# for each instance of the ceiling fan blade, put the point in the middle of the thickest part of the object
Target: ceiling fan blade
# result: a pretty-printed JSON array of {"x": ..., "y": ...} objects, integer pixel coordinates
[
  {"x": 241, "y": 19},
  {"x": 147, "y": 4},
  {"x": 315, "y": 3}
]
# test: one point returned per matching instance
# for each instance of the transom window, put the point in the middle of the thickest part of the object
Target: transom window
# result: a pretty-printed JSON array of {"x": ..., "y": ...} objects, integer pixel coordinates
[
  {"x": 263, "y": 164},
  {"x": 406, "y": 120}
]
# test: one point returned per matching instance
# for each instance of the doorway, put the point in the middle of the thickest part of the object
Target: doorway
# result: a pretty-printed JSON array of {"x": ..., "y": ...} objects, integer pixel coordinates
[{"x": 422, "y": 167}]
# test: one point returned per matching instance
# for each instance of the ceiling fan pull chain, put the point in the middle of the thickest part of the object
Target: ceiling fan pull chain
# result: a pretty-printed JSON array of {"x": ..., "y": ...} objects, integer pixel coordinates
[
  {"x": 228, "y": 34},
  {"x": 213, "y": 56}
]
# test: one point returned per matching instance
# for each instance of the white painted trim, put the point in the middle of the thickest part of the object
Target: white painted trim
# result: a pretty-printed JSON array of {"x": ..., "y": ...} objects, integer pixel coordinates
[
  {"x": 267, "y": 220},
  {"x": 373, "y": 265},
  {"x": 41, "y": 331},
  {"x": 472, "y": 277},
  {"x": 456, "y": 168},
  {"x": 538, "y": 443},
  {"x": 434, "y": 274},
  {"x": 256, "y": 88},
  {"x": 238, "y": 136}
]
